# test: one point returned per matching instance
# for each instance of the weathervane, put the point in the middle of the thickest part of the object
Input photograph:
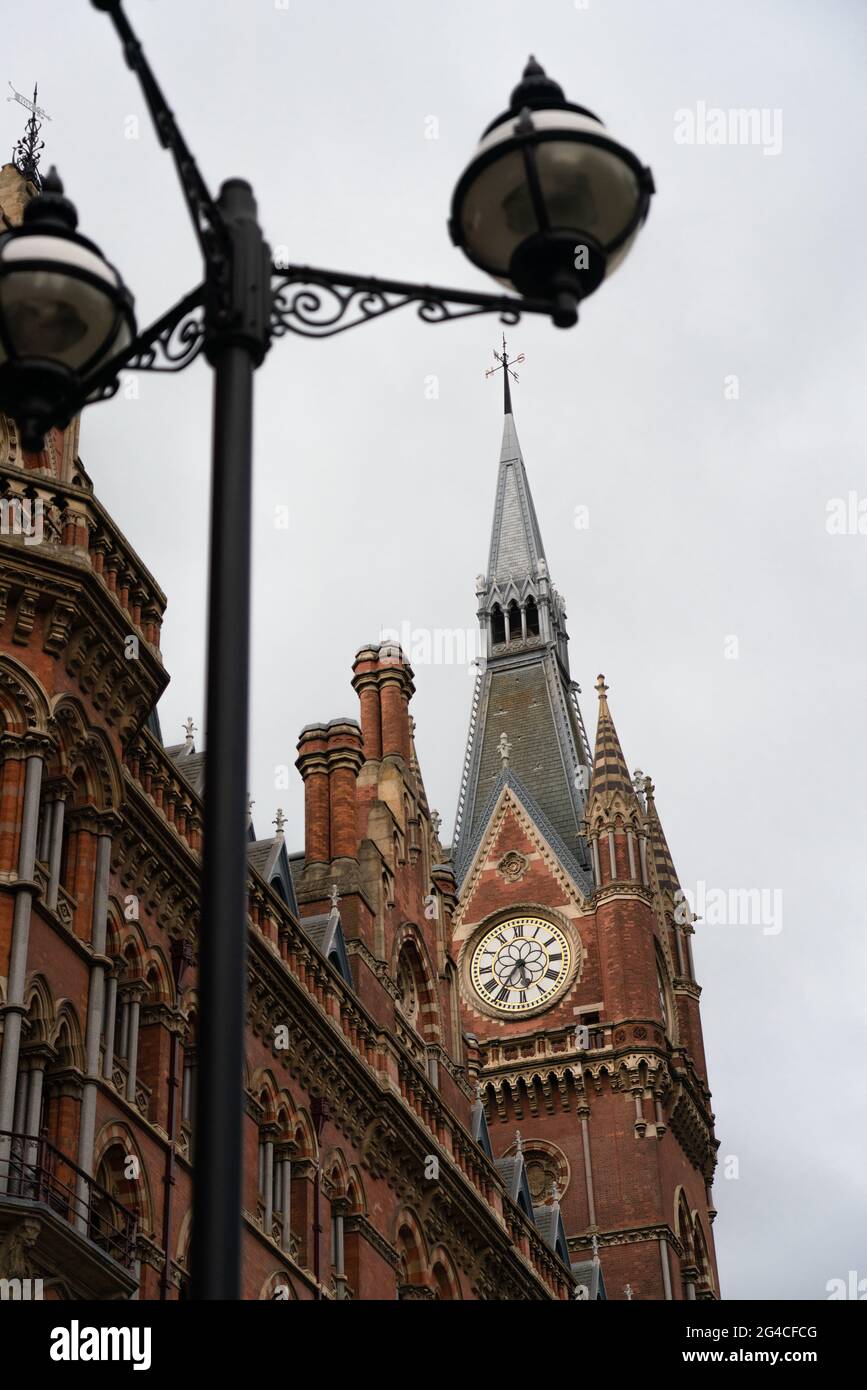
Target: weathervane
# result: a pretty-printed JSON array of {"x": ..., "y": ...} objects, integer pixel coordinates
[
  {"x": 506, "y": 366},
  {"x": 26, "y": 154}
]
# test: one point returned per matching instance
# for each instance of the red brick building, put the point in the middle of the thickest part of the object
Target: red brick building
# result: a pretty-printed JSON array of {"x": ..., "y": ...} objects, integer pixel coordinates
[{"x": 410, "y": 1005}]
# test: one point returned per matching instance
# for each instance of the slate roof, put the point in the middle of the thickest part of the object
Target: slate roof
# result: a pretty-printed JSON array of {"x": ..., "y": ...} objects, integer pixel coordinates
[
  {"x": 549, "y": 1221},
  {"x": 479, "y": 1128},
  {"x": 326, "y": 932},
  {"x": 269, "y": 858},
  {"x": 512, "y": 1170},
  {"x": 190, "y": 764},
  {"x": 589, "y": 1274}
]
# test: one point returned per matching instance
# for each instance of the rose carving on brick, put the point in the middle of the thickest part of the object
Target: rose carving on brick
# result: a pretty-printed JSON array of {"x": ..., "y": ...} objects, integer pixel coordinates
[{"x": 513, "y": 866}]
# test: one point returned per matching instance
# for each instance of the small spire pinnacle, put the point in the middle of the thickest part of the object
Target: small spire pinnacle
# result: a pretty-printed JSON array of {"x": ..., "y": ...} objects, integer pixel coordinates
[
  {"x": 279, "y": 820},
  {"x": 610, "y": 773},
  {"x": 507, "y": 368}
]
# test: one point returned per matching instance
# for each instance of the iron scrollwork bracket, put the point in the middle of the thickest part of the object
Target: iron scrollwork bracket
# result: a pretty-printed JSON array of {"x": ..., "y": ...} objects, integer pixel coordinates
[
  {"x": 320, "y": 303},
  {"x": 168, "y": 345}
]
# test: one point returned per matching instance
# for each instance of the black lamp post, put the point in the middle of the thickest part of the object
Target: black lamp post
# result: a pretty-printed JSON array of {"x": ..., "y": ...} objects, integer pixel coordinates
[{"x": 549, "y": 204}]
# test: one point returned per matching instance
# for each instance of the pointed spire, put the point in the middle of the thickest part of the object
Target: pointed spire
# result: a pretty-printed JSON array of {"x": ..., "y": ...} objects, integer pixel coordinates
[
  {"x": 666, "y": 873},
  {"x": 516, "y": 541},
  {"x": 610, "y": 773}
]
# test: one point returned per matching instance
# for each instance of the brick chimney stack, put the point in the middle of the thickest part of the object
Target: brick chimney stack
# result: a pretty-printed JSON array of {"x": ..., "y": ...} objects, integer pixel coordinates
[{"x": 382, "y": 677}]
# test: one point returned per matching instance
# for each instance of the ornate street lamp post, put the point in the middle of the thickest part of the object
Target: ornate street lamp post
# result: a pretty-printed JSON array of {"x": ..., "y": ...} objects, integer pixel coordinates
[{"x": 549, "y": 204}]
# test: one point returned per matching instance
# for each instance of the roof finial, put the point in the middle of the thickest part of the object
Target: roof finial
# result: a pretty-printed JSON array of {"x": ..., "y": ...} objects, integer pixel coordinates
[
  {"x": 335, "y": 896},
  {"x": 601, "y": 687},
  {"x": 250, "y": 804},
  {"x": 507, "y": 368},
  {"x": 279, "y": 820},
  {"x": 26, "y": 154},
  {"x": 504, "y": 748},
  {"x": 594, "y": 1245},
  {"x": 189, "y": 729}
]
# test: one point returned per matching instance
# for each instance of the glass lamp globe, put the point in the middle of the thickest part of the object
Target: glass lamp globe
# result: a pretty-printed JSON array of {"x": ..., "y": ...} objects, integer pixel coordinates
[
  {"x": 550, "y": 203},
  {"x": 64, "y": 311}
]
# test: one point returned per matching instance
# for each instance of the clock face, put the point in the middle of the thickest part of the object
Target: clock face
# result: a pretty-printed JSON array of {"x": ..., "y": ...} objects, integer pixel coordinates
[{"x": 520, "y": 964}]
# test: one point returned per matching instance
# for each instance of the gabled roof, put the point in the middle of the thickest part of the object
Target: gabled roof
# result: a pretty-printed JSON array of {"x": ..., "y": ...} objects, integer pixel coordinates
[
  {"x": 479, "y": 1128},
  {"x": 190, "y": 764},
  {"x": 512, "y": 1170},
  {"x": 509, "y": 780},
  {"x": 326, "y": 933},
  {"x": 270, "y": 860},
  {"x": 549, "y": 1220},
  {"x": 588, "y": 1275}
]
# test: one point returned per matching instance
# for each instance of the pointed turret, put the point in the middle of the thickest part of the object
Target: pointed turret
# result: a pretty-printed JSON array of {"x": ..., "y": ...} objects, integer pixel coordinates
[
  {"x": 610, "y": 774},
  {"x": 613, "y": 809},
  {"x": 666, "y": 874}
]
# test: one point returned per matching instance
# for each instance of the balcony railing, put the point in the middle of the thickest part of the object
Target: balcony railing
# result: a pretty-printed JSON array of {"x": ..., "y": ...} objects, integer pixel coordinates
[{"x": 32, "y": 1170}]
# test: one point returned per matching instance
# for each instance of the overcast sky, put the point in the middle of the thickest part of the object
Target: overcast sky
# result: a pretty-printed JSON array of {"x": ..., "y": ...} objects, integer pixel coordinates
[{"x": 708, "y": 410}]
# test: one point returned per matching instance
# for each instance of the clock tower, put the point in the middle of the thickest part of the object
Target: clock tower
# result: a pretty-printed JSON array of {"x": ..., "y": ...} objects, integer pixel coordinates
[{"x": 572, "y": 938}]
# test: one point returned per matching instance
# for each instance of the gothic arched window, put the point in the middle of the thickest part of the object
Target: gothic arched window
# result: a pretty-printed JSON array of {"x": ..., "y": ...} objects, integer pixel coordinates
[
  {"x": 498, "y": 625},
  {"x": 532, "y": 618}
]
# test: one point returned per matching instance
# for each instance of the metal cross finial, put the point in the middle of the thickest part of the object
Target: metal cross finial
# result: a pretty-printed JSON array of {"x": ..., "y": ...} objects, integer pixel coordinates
[
  {"x": 335, "y": 896},
  {"x": 504, "y": 748},
  {"x": 507, "y": 368},
  {"x": 279, "y": 820},
  {"x": 26, "y": 154}
]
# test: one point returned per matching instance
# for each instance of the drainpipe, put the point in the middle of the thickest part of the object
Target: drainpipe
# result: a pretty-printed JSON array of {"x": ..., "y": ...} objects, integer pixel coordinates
[
  {"x": 320, "y": 1113},
  {"x": 182, "y": 956}
]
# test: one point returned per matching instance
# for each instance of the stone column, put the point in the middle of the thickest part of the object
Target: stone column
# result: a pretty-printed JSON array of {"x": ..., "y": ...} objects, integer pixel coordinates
[
  {"x": 268, "y": 1187},
  {"x": 642, "y": 855},
  {"x": 95, "y": 1001},
  {"x": 31, "y": 1123},
  {"x": 55, "y": 847},
  {"x": 286, "y": 1202},
  {"x": 584, "y": 1116},
  {"x": 666, "y": 1272},
  {"x": 24, "y": 888},
  {"x": 110, "y": 1014},
  {"x": 134, "y": 1010}
]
